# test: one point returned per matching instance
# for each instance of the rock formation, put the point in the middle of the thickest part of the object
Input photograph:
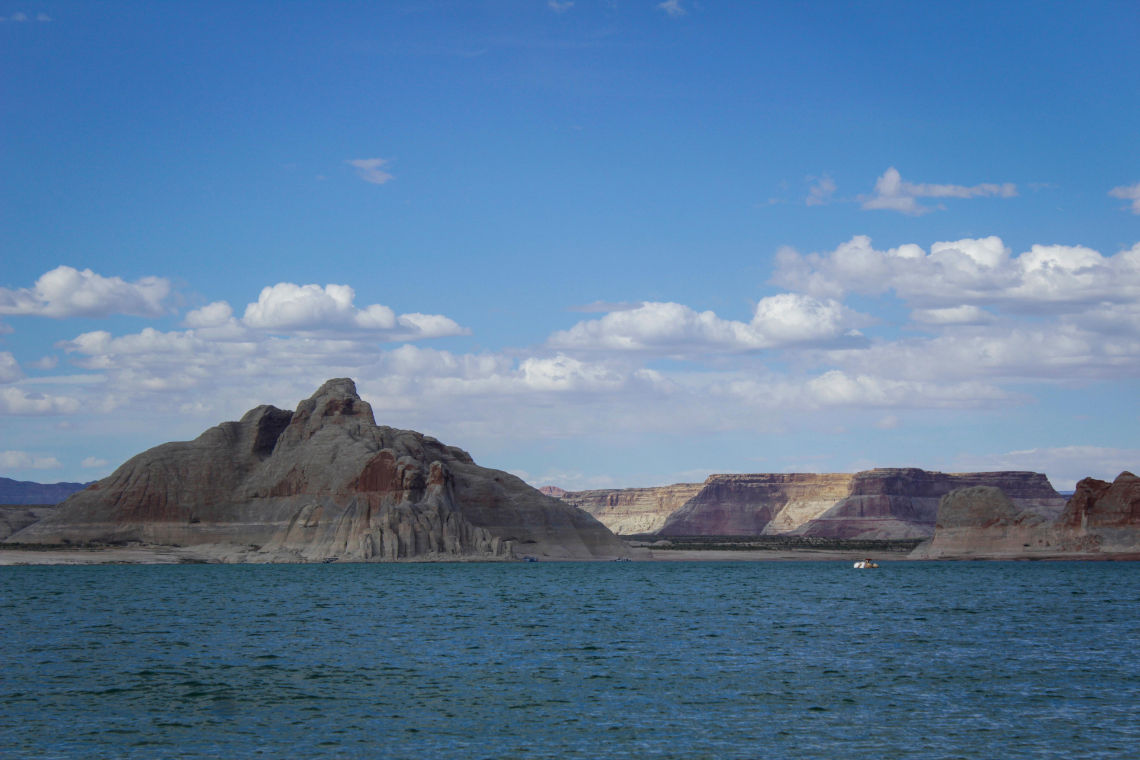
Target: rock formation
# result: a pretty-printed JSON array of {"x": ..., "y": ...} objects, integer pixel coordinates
[
  {"x": 753, "y": 505},
  {"x": 324, "y": 481},
  {"x": 881, "y": 503},
  {"x": 632, "y": 511},
  {"x": 1101, "y": 519},
  {"x": 16, "y": 517},
  {"x": 554, "y": 491},
  {"x": 903, "y": 503},
  {"x": 27, "y": 492}
]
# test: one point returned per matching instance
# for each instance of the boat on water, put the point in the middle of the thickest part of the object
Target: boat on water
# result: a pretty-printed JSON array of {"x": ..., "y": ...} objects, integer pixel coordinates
[{"x": 865, "y": 564}]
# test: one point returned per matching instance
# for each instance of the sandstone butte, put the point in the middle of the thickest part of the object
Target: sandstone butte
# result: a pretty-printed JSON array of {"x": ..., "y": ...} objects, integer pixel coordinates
[
  {"x": 875, "y": 504},
  {"x": 1101, "y": 520},
  {"x": 320, "y": 482}
]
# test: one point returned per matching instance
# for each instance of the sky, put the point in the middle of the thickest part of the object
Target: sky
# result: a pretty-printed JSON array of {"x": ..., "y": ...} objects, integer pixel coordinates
[{"x": 600, "y": 243}]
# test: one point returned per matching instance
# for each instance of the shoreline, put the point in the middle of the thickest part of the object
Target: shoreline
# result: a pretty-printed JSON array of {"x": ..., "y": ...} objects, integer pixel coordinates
[{"x": 46, "y": 556}]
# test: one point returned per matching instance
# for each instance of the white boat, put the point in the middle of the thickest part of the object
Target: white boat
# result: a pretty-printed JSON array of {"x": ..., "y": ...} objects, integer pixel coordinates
[{"x": 865, "y": 564}]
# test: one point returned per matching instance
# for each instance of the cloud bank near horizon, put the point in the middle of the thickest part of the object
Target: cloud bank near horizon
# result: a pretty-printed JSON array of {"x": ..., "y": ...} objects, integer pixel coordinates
[{"x": 984, "y": 325}]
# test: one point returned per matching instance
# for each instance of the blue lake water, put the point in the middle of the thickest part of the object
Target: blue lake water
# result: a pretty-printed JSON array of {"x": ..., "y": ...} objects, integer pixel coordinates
[{"x": 702, "y": 660}]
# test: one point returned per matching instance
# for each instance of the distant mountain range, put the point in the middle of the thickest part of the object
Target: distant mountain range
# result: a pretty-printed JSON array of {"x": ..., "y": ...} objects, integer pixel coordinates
[{"x": 27, "y": 492}]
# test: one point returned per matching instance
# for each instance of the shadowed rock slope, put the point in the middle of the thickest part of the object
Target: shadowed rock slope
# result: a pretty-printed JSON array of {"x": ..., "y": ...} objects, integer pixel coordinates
[
  {"x": 324, "y": 481},
  {"x": 1100, "y": 520}
]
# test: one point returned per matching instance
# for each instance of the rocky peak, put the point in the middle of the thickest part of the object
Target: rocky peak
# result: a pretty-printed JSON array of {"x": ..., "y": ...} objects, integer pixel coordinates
[
  {"x": 1100, "y": 504},
  {"x": 335, "y": 403}
]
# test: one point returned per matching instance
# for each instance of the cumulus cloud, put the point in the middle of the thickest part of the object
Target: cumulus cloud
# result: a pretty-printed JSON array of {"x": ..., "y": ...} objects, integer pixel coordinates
[
  {"x": 1046, "y": 279},
  {"x": 17, "y": 401},
  {"x": 371, "y": 169},
  {"x": 45, "y": 362},
  {"x": 67, "y": 292},
  {"x": 1128, "y": 193},
  {"x": 21, "y": 460},
  {"x": 289, "y": 308},
  {"x": 820, "y": 191},
  {"x": 558, "y": 7},
  {"x": 893, "y": 193},
  {"x": 676, "y": 329},
  {"x": 91, "y": 462},
  {"x": 992, "y": 324},
  {"x": 673, "y": 8}
]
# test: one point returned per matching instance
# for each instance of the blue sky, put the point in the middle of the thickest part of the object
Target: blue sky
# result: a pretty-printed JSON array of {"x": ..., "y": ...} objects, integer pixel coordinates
[{"x": 596, "y": 243}]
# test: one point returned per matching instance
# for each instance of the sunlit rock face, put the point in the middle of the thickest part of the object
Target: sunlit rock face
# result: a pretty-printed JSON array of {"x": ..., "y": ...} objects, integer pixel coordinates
[
  {"x": 631, "y": 511},
  {"x": 1100, "y": 520},
  {"x": 320, "y": 482}
]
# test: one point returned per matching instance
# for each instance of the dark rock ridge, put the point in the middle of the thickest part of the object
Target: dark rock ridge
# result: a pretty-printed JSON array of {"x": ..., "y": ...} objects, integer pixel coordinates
[
  {"x": 894, "y": 503},
  {"x": 1100, "y": 519},
  {"x": 324, "y": 481},
  {"x": 27, "y": 492}
]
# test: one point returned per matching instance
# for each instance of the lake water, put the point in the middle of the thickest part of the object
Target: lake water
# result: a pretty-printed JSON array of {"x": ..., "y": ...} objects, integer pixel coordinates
[{"x": 701, "y": 660}]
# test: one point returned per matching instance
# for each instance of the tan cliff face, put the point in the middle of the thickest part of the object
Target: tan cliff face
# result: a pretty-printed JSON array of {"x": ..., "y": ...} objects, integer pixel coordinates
[
  {"x": 1100, "y": 520},
  {"x": 319, "y": 482},
  {"x": 632, "y": 511},
  {"x": 883, "y": 503}
]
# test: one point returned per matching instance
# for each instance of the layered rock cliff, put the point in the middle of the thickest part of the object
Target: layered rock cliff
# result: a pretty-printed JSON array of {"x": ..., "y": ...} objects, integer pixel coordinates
[
  {"x": 1100, "y": 520},
  {"x": 631, "y": 511},
  {"x": 752, "y": 505},
  {"x": 882, "y": 503},
  {"x": 320, "y": 482},
  {"x": 903, "y": 503}
]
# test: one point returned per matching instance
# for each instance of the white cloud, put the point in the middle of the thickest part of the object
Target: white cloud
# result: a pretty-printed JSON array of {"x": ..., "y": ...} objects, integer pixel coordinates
[
  {"x": 1128, "y": 193},
  {"x": 675, "y": 329},
  {"x": 673, "y": 8},
  {"x": 16, "y": 401},
  {"x": 894, "y": 193},
  {"x": 820, "y": 192},
  {"x": 45, "y": 362},
  {"x": 10, "y": 370},
  {"x": 977, "y": 349},
  {"x": 43, "y": 17},
  {"x": 21, "y": 460},
  {"x": 91, "y": 462},
  {"x": 1045, "y": 279},
  {"x": 371, "y": 169},
  {"x": 890, "y": 422},
  {"x": 1065, "y": 465},
  {"x": 19, "y": 17},
  {"x": 558, "y": 7},
  {"x": 310, "y": 309},
  {"x": 66, "y": 292},
  {"x": 216, "y": 314}
]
